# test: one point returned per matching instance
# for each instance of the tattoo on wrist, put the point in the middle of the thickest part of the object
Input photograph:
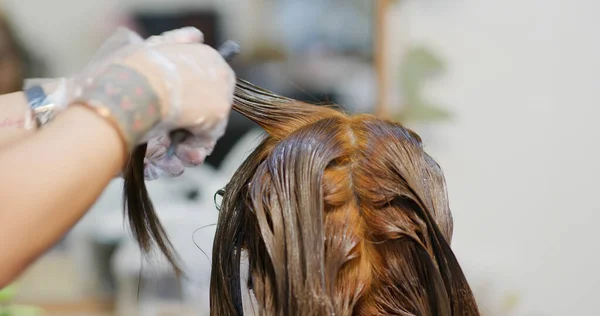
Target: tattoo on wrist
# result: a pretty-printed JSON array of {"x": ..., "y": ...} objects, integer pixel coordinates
[
  {"x": 8, "y": 123},
  {"x": 130, "y": 98}
]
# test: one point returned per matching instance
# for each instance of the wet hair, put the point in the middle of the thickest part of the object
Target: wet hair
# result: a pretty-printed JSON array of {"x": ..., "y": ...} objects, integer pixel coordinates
[
  {"x": 144, "y": 223},
  {"x": 336, "y": 214}
]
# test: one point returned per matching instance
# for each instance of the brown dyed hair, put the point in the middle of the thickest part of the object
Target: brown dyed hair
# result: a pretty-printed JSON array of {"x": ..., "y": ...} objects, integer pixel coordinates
[{"x": 337, "y": 214}]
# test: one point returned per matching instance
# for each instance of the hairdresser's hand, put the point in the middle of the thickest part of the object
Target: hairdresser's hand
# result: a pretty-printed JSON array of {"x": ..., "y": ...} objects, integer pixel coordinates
[
  {"x": 193, "y": 87},
  {"x": 153, "y": 87},
  {"x": 189, "y": 153},
  {"x": 192, "y": 151}
]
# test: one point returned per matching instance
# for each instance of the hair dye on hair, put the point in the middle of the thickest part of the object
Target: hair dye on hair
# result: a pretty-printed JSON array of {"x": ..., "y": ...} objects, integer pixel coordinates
[{"x": 336, "y": 214}]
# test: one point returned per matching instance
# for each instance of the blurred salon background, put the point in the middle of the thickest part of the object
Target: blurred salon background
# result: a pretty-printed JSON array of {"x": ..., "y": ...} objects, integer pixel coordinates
[{"x": 504, "y": 93}]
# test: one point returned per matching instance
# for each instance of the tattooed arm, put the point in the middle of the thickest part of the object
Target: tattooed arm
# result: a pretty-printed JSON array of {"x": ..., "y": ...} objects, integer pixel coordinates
[
  {"x": 49, "y": 180},
  {"x": 13, "y": 111}
]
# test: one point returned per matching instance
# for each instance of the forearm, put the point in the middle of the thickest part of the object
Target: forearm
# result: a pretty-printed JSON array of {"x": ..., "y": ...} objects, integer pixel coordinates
[
  {"x": 49, "y": 180},
  {"x": 72, "y": 160}
]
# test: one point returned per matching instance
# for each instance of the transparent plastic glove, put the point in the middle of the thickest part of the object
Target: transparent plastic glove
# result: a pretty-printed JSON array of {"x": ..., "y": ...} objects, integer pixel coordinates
[
  {"x": 193, "y": 86},
  {"x": 189, "y": 153},
  {"x": 61, "y": 91},
  {"x": 190, "y": 83}
]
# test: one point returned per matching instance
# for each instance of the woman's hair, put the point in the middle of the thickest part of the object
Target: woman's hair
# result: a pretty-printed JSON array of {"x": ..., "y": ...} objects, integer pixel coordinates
[
  {"x": 139, "y": 210},
  {"x": 336, "y": 214}
]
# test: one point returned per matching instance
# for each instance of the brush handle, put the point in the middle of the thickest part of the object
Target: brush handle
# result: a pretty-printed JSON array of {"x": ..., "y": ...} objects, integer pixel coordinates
[{"x": 228, "y": 50}]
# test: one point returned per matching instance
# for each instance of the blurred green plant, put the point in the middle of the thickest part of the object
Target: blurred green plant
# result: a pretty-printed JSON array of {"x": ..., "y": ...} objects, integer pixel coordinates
[
  {"x": 7, "y": 294},
  {"x": 20, "y": 310},
  {"x": 418, "y": 66}
]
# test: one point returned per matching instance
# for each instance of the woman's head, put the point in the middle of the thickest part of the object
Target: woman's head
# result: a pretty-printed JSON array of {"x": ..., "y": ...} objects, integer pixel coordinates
[{"x": 337, "y": 214}]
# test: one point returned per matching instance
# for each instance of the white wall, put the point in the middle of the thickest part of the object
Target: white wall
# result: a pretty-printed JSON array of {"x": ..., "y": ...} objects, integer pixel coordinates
[{"x": 521, "y": 156}]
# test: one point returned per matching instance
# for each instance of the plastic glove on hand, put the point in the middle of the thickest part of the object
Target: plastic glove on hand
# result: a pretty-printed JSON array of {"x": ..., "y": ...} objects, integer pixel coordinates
[
  {"x": 61, "y": 91},
  {"x": 162, "y": 85},
  {"x": 158, "y": 164}
]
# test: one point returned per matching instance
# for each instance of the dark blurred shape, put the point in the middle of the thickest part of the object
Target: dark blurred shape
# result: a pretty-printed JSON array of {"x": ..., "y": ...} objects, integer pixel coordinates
[
  {"x": 193, "y": 194},
  {"x": 16, "y": 62},
  {"x": 236, "y": 129},
  {"x": 207, "y": 21}
]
